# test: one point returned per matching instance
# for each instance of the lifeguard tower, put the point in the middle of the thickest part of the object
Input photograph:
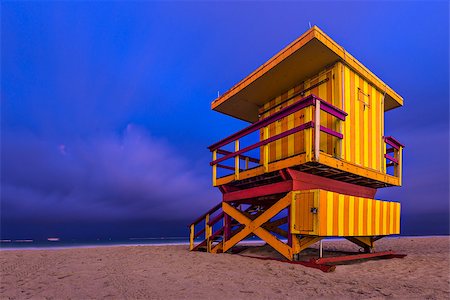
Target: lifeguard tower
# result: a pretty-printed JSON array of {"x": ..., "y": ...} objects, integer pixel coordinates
[{"x": 309, "y": 165}]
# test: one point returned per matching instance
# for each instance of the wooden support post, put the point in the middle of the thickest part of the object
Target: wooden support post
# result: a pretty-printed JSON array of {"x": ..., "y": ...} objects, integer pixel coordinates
[
  {"x": 305, "y": 242},
  {"x": 317, "y": 131},
  {"x": 321, "y": 249},
  {"x": 191, "y": 237},
  {"x": 227, "y": 227},
  {"x": 365, "y": 242},
  {"x": 214, "y": 168},
  {"x": 236, "y": 161},
  {"x": 266, "y": 149},
  {"x": 207, "y": 234},
  {"x": 247, "y": 159},
  {"x": 289, "y": 237},
  {"x": 308, "y": 134}
]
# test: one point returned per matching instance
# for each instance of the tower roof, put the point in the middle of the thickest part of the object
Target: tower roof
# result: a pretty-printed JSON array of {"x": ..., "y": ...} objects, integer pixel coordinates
[{"x": 301, "y": 59}]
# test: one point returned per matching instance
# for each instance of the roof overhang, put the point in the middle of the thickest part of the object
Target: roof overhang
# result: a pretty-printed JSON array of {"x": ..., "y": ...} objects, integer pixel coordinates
[{"x": 300, "y": 60}]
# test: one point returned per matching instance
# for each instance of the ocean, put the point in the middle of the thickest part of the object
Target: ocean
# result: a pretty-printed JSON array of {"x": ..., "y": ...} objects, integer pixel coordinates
[{"x": 61, "y": 243}]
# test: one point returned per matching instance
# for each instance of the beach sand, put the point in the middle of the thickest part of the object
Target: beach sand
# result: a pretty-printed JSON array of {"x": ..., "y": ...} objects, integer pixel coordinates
[{"x": 172, "y": 272}]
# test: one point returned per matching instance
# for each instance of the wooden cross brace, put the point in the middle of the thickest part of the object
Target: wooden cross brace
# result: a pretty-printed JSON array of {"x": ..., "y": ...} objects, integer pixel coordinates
[{"x": 256, "y": 226}]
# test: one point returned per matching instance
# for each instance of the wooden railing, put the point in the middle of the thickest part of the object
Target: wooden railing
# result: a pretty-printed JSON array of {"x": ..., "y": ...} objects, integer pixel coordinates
[
  {"x": 312, "y": 126},
  {"x": 393, "y": 155},
  {"x": 207, "y": 230}
]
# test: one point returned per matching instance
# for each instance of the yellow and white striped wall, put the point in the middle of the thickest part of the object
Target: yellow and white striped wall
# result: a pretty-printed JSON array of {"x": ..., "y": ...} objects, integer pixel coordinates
[{"x": 325, "y": 213}]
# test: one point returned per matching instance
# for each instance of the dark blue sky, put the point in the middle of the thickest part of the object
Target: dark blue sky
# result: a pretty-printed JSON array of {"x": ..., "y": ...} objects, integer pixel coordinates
[{"x": 105, "y": 106}]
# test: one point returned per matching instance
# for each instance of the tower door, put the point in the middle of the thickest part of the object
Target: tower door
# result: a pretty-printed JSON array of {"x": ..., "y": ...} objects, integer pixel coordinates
[{"x": 304, "y": 212}]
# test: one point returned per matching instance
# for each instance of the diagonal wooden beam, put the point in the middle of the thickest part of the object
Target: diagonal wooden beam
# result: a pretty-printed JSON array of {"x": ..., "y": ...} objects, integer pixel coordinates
[
  {"x": 278, "y": 245},
  {"x": 276, "y": 230},
  {"x": 300, "y": 244},
  {"x": 254, "y": 226},
  {"x": 365, "y": 242},
  {"x": 278, "y": 222}
]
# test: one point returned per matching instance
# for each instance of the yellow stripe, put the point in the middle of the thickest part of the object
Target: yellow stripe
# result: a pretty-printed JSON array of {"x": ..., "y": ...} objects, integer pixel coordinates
[
  {"x": 277, "y": 131},
  {"x": 347, "y": 126},
  {"x": 290, "y": 120},
  {"x": 373, "y": 127},
  {"x": 358, "y": 122},
  {"x": 351, "y": 215},
  {"x": 360, "y": 215},
  {"x": 366, "y": 125},
  {"x": 329, "y": 213},
  {"x": 377, "y": 217},
  {"x": 391, "y": 223},
  {"x": 341, "y": 215},
  {"x": 384, "y": 217},
  {"x": 378, "y": 131},
  {"x": 369, "y": 216}
]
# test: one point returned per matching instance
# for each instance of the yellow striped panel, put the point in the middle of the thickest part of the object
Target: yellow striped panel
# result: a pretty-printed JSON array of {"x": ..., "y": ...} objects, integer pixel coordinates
[
  {"x": 372, "y": 129},
  {"x": 343, "y": 215},
  {"x": 329, "y": 214},
  {"x": 377, "y": 217},
  {"x": 360, "y": 215},
  {"x": 357, "y": 121},
  {"x": 351, "y": 214},
  {"x": 340, "y": 215},
  {"x": 290, "y": 120},
  {"x": 385, "y": 219},
  {"x": 365, "y": 122},
  {"x": 347, "y": 123},
  {"x": 391, "y": 216},
  {"x": 369, "y": 216}
]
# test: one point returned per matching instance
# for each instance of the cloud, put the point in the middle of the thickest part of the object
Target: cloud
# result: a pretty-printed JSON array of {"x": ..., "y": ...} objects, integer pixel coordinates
[{"x": 127, "y": 177}]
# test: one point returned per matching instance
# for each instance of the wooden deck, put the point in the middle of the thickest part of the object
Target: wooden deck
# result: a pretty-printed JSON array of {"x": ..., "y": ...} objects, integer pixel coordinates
[{"x": 327, "y": 166}]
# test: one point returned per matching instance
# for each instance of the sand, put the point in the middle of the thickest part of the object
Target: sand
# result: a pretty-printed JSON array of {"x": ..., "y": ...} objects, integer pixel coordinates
[{"x": 172, "y": 272}]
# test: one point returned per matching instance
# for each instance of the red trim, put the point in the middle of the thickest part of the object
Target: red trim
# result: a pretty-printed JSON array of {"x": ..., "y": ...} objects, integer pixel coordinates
[
  {"x": 264, "y": 190},
  {"x": 243, "y": 157},
  {"x": 226, "y": 167},
  {"x": 216, "y": 219},
  {"x": 305, "y": 102},
  {"x": 306, "y": 181},
  {"x": 323, "y": 268},
  {"x": 331, "y": 132},
  {"x": 228, "y": 188},
  {"x": 385, "y": 254},
  {"x": 391, "y": 158},
  {"x": 212, "y": 210},
  {"x": 264, "y": 142},
  {"x": 199, "y": 233},
  {"x": 285, "y": 175},
  {"x": 393, "y": 142}
]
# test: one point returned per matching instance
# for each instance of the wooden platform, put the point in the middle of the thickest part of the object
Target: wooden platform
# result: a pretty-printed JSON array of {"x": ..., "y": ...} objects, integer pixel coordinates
[{"x": 327, "y": 166}]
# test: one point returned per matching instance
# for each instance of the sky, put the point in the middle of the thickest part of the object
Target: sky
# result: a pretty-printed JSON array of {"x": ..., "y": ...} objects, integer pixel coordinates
[{"x": 105, "y": 106}]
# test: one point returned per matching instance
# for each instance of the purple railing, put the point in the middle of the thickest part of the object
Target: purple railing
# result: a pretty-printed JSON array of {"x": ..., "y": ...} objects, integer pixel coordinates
[
  {"x": 396, "y": 148},
  {"x": 311, "y": 100}
]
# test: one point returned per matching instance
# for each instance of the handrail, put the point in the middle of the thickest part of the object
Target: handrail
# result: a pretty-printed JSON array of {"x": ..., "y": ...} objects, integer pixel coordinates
[
  {"x": 390, "y": 140},
  {"x": 394, "y": 160},
  {"x": 242, "y": 157},
  {"x": 303, "y": 103},
  {"x": 264, "y": 122},
  {"x": 264, "y": 142},
  {"x": 212, "y": 210},
  {"x": 216, "y": 219},
  {"x": 393, "y": 156}
]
